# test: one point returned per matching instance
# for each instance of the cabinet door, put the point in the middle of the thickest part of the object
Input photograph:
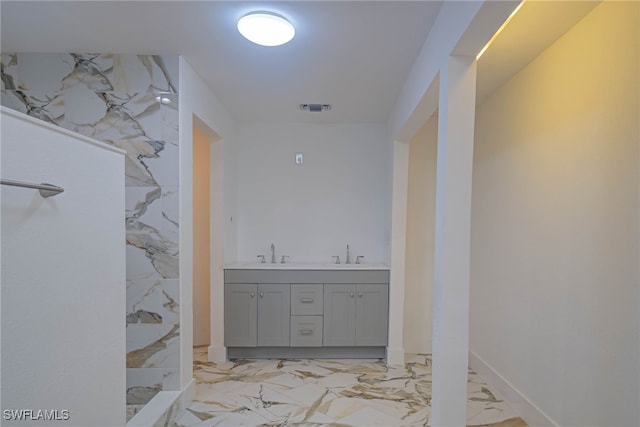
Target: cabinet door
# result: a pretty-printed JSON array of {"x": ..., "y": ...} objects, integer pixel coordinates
[
  {"x": 274, "y": 306},
  {"x": 372, "y": 309},
  {"x": 339, "y": 315},
  {"x": 240, "y": 310}
]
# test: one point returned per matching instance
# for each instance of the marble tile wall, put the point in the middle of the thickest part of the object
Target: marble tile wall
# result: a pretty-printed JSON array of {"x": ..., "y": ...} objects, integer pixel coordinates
[{"x": 131, "y": 102}]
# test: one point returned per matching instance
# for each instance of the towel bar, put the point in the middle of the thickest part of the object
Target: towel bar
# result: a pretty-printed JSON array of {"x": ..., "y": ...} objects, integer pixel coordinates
[{"x": 46, "y": 190}]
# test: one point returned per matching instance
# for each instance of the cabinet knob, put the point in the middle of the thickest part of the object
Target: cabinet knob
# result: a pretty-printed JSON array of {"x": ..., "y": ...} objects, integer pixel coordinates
[
  {"x": 253, "y": 294},
  {"x": 261, "y": 294},
  {"x": 351, "y": 294},
  {"x": 359, "y": 294}
]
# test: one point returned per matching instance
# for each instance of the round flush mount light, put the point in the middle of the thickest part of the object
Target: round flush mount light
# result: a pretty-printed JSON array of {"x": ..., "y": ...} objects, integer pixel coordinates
[{"x": 266, "y": 28}]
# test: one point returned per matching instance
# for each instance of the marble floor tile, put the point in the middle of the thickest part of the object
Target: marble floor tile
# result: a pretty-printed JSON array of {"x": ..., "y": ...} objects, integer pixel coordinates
[{"x": 316, "y": 392}]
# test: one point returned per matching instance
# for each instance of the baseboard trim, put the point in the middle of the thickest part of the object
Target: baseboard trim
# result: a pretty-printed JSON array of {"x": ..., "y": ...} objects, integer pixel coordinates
[
  {"x": 395, "y": 356},
  {"x": 189, "y": 393},
  {"x": 216, "y": 354},
  {"x": 532, "y": 414},
  {"x": 306, "y": 352}
]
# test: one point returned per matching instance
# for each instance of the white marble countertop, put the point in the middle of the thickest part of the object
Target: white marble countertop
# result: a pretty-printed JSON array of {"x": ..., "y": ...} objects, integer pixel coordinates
[{"x": 303, "y": 266}]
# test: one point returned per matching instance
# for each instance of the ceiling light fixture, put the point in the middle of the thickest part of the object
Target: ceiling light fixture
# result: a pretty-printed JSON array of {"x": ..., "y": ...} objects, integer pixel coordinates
[{"x": 266, "y": 28}]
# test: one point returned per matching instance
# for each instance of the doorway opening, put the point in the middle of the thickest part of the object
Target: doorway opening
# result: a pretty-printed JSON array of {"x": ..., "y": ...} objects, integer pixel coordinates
[{"x": 207, "y": 227}]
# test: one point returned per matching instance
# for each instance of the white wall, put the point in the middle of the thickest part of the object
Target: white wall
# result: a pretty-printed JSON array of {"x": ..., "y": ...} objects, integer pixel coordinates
[
  {"x": 554, "y": 307},
  {"x": 398, "y": 219},
  {"x": 462, "y": 28},
  {"x": 418, "y": 315},
  {"x": 199, "y": 107},
  {"x": 201, "y": 238},
  {"x": 310, "y": 212},
  {"x": 63, "y": 275}
]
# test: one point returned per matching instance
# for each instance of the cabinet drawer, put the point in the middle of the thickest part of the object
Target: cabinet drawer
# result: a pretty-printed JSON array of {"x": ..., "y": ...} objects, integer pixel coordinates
[
  {"x": 306, "y": 331},
  {"x": 306, "y": 300}
]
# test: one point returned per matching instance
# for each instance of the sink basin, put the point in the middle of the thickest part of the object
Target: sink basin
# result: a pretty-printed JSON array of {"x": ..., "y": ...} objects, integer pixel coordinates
[{"x": 304, "y": 266}]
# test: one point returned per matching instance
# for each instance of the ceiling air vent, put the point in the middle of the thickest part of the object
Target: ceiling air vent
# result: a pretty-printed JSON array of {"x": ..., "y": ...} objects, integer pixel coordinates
[{"x": 315, "y": 108}]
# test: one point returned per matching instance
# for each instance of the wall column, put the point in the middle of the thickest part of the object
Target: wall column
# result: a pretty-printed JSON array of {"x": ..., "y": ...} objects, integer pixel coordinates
[
  {"x": 452, "y": 241},
  {"x": 395, "y": 348},
  {"x": 217, "y": 352}
]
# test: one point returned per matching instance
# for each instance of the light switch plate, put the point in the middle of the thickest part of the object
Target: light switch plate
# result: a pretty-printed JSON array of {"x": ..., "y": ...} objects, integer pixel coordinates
[{"x": 299, "y": 159}]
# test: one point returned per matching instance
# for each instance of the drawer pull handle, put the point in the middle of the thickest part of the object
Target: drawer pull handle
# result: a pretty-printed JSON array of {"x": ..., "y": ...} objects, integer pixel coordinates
[
  {"x": 306, "y": 300},
  {"x": 253, "y": 294},
  {"x": 306, "y": 332},
  {"x": 360, "y": 294},
  {"x": 351, "y": 294},
  {"x": 261, "y": 294}
]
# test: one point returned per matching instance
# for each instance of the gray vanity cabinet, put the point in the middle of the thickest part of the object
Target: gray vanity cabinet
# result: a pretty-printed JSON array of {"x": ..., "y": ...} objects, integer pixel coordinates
[
  {"x": 355, "y": 315},
  {"x": 306, "y": 315},
  {"x": 274, "y": 302},
  {"x": 372, "y": 307},
  {"x": 240, "y": 315},
  {"x": 339, "y": 329},
  {"x": 256, "y": 315},
  {"x": 298, "y": 313}
]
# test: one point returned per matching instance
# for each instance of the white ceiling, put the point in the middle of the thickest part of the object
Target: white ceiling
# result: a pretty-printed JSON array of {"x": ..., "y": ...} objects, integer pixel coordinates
[{"x": 354, "y": 55}]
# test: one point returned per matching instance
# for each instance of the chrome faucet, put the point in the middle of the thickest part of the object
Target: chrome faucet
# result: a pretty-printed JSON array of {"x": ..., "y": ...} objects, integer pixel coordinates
[
  {"x": 273, "y": 254},
  {"x": 348, "y": 261}
]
